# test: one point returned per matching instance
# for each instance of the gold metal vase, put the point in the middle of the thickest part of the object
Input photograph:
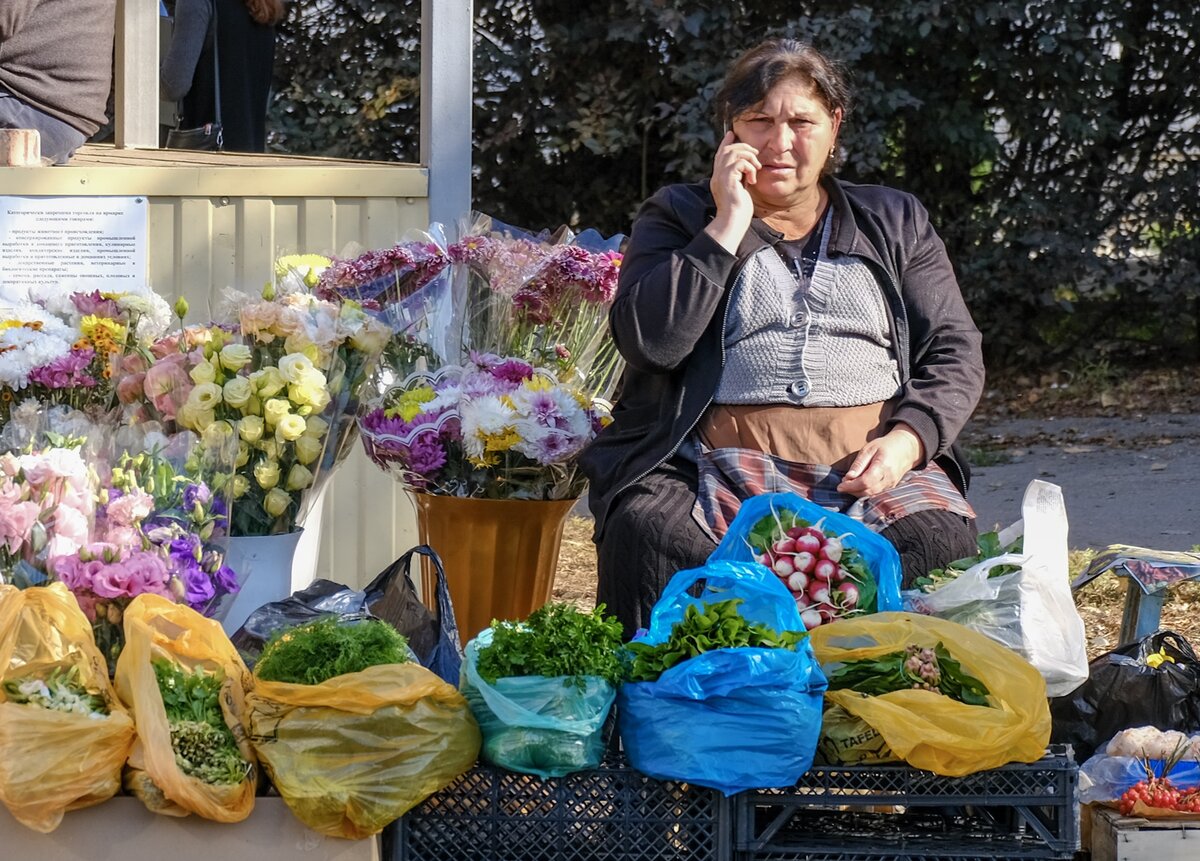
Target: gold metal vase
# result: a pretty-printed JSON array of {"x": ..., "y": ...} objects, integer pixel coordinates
[{"x": 500, "y": 555}]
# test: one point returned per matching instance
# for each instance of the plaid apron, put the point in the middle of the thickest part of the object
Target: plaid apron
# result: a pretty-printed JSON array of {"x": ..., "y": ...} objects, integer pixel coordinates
[{"x": 730, "y": 475}]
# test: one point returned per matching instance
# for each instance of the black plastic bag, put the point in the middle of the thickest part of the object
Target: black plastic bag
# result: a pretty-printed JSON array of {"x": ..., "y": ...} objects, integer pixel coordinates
[
  {"x": 391, "y": 596},
  {"x": 1123, "y": 691},
  {"x": 432, "y": 636}
]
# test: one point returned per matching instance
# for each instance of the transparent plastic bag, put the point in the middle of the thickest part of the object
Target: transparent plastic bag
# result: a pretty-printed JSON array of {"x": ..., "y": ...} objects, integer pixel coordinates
[
  {"x": 54, "y": 761},
  {"x": 1031, "y": 611}
]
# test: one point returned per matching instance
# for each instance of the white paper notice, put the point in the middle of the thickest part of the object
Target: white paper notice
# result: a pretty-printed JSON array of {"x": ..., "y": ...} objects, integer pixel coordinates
[{"x": 60, "y": 245}]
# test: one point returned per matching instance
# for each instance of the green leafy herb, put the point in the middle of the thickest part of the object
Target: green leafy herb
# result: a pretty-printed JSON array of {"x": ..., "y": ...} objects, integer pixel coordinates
[
  {"x": 558, "y": 639},
  {"x": 989, "y": 547},
  {"x": 704, "y": 629},
  {"x": 203, "y": 744},
  {"x": 914, "y": 668},
  {"x": 317, "y": 651}
]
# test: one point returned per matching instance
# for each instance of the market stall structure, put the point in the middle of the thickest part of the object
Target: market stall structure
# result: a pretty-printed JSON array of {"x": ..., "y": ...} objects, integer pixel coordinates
[{"x": 221, "y": 219}]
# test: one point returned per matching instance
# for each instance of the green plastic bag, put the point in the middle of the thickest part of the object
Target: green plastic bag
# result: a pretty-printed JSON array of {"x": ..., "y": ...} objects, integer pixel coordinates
[{"x": 540, "y": 725}]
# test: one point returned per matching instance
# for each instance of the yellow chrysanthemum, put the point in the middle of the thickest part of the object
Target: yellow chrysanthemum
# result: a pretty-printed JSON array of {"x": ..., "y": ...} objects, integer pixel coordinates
[
  {"x": 502, "y": 441},
  {"x": 410, "y": 403},
  {"x": 104, "y": 333}
]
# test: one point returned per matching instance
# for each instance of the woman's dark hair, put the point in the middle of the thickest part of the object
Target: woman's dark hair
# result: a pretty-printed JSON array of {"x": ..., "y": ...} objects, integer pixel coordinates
[{"x": 754, "y": 73}]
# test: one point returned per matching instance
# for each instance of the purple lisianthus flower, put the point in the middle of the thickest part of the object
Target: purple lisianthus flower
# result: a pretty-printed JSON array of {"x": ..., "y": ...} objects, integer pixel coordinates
[
  {"x": 186, "y": 547},
  {"x": 198, "y": 589},
  {"x": 194, "y": 493},
  {"x": 226, "y": 579}
]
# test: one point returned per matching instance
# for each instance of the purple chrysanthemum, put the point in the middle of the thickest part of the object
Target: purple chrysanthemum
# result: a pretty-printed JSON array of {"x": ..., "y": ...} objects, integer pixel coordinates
[{"x": 66, "y": 372}]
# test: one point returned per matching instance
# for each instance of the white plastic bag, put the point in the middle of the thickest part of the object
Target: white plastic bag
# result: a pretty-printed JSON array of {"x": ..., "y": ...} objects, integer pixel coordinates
[{"x": 1032, "y": 611}]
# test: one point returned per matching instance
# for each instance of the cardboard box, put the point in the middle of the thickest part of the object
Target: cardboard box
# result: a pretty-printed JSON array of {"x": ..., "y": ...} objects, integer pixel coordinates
[
  {"x": 122, "y": 829},
  {"x": 1120, "y": 838}
]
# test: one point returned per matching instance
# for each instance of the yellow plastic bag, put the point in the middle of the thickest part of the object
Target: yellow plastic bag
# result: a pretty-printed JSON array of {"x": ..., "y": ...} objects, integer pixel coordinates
[
  {"x": 53, "y": 761},
  {"x": 157, "y": 628},
  {"x": 931, "y": 731},
  {"x": 355, "y": 752},
  {"x": 847, "y": 739}
]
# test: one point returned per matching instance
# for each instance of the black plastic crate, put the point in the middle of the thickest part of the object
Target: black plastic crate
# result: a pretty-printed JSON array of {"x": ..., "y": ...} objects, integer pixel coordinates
[
  {"x": 613, "y": 812},
  {"x": 893, "y": 812}
]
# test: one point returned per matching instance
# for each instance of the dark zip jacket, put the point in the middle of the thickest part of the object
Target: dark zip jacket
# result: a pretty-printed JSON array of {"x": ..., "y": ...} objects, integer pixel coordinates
[{"x": 668, "y": 322}]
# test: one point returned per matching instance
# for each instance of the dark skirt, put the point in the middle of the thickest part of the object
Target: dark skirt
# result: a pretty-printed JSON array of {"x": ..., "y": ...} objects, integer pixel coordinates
[{"x": 650, "y": 534}]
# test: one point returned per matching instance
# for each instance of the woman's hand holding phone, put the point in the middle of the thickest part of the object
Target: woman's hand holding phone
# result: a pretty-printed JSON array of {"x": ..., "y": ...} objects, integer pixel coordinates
[{"x": 735, "y": 168}]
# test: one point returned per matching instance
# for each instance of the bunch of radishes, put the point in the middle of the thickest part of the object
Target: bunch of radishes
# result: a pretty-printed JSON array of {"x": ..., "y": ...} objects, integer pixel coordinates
[{"x": 816, "y": 566}]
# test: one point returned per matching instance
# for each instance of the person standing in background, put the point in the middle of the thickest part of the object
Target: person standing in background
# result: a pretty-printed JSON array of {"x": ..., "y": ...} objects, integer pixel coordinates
[
  {"x": 245, "y": 41},
  {"x": 56, "y": 69}
]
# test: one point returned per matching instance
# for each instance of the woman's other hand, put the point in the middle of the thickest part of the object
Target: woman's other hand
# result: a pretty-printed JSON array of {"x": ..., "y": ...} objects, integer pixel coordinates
[
  {"x": 735, "y": 166},
  {"x": 882, "y": 462}
]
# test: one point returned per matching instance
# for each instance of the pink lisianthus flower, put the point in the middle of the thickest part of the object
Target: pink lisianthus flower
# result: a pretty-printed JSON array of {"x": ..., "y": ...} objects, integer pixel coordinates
[
  {"x": 147, "y": 573},
  {"x": 129, "y": 509},
  {"x": 16, "y": 519},
  {"x": 168, "y": 384}
]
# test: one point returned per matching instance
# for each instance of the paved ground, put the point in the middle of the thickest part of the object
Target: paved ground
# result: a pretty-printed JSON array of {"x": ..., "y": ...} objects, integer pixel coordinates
[{"x": 1129, "y": 480}]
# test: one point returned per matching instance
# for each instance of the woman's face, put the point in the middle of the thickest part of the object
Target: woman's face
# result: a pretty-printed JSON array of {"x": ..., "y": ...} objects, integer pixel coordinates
[{"x": 793, "y": 132}]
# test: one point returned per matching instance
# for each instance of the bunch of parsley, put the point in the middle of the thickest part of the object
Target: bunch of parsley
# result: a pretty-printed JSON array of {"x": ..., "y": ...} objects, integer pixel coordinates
[{"x": 558, "y": 639}]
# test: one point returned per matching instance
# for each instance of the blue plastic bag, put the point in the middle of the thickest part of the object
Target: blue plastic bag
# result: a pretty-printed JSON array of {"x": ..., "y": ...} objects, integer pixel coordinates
[
  {"x": 537, "y": 724},
  {"x": 1106, "y": 778},
  {"x": 877, "y": 552},
  {"x": 729, "y": 719}
]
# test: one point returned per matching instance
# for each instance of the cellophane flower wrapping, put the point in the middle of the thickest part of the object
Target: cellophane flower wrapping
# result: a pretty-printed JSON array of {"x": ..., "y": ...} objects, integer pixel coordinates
[
  {"x": 66, "y": 350},
  {"x": 498, "y": 377},
  {"x": 117, "y": 511}
]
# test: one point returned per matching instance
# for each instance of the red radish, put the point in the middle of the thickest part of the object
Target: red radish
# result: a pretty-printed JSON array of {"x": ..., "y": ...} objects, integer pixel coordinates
[
  {"x": 766, "y": 559},
  {"x": 804, "y": 561},
  {"x": 783, "y": 567},
  {"x": 801, "y": 602},
  {"x": 845, "y": 573},
  {"x": 795, "y": 532},
  {"x": 828, "y": 613},
  {"x": 848, "y": 595},
  {"x": 808, "y": 543},
  {"x": 818, "y": 592},
  {"x": 784, "y": 545},
  {"x": 798, "y": 582},
  {"x": 824, "y": 569},
  {"x": 811, "y": 618}
]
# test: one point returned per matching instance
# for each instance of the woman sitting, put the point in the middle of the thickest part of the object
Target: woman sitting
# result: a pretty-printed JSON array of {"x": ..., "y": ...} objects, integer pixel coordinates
[{"x": 783, "y": 330}]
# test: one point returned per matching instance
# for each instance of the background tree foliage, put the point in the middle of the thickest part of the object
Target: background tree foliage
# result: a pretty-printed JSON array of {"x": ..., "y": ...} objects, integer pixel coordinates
[{"x": 1055, "y": 143}]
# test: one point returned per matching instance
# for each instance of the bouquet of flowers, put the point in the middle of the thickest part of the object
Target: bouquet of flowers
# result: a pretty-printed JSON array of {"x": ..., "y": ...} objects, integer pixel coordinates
[
  {"x": 496, "y": 427},
  {"x": 160, "y": 522},
  {"x": 47, "y": 504},
  {"x": 497, "y": 384},
  {"x": 281, "y": 377},
  {"x": 543, "y": 298},
  {"x": 65, "y": 350}
]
